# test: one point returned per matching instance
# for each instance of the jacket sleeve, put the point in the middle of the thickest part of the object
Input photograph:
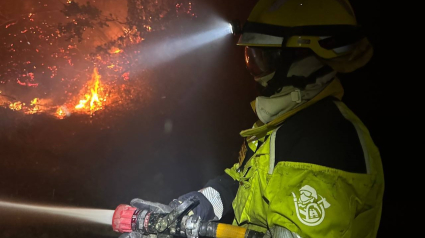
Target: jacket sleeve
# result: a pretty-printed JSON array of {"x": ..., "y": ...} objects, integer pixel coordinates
[{"x": 227, "y": 188}]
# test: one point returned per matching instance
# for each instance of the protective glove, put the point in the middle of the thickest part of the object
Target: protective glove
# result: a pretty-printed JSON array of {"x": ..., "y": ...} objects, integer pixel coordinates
[
  {"x": 150, "y": 206},
  {"x": 140, "y": 235},
  {"x": 136, "y": 235},
  {"x": 204, "y": 210}
]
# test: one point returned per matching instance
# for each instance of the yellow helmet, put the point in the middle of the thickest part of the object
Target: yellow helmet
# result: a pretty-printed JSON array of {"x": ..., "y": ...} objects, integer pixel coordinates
[
  {"x": 327, "y": 27},
  {"x": 279, "y": 30}
]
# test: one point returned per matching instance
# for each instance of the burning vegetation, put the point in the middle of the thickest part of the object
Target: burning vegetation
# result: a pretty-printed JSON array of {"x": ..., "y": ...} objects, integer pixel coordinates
[{"x": 53, "y": 61}]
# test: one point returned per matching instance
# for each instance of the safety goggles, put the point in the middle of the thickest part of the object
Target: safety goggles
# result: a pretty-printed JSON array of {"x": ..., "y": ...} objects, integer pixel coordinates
[{"x": 261, "y": 61}]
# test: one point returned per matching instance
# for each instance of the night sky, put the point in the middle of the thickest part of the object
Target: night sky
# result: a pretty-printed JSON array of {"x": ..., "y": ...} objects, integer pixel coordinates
[{"x": 181, "y": 130}]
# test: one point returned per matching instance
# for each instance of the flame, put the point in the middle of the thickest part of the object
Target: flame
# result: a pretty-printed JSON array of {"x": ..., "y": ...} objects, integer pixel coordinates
[
  {"x": 91, "y": 101},
  {"x": 93, "y": 95},
  {"x": 34, "y": 101},
  {"x": 34, "y": 106},
  {"x": 115, "y": 50},
  {"x": 61, "y": 112},
  {"x": 16, "y": 106}
]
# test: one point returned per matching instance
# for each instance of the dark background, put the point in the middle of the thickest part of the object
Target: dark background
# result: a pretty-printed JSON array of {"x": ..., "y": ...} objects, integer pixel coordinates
[{"x": 83, "y": 162}]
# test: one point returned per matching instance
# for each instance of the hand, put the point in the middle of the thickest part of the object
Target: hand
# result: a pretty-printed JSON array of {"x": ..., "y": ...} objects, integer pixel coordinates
[
  {"x": 140, "y": 235},
  {"x": 150, "y": 206},
  {"x": 132, "y": 235},
  {"x": 137, "y": 235},
  {"x": 204, "y": 210}
]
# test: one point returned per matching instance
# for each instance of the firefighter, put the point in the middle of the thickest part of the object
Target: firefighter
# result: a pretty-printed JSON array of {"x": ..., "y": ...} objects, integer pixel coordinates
[{"x": 308, "y": 167}]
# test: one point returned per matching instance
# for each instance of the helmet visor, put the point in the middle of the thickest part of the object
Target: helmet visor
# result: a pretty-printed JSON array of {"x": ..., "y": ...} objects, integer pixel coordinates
[{"x": 261, "y": 61}]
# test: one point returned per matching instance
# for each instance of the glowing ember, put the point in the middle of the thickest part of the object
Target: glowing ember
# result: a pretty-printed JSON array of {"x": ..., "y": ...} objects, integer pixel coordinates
[{"x": 91, "y": 102}]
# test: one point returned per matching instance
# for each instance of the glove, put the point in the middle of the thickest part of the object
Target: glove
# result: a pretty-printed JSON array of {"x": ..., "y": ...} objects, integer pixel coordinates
[
  {"x": 136, "y": 235},
  {"x": 204, "y": 210},
  {"x": 150, "y": 206},
  {"x": 140, "y": 235}
]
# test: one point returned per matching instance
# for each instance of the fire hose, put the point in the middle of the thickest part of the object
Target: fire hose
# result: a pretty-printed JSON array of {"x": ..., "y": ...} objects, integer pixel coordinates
[{"x": 176, "y": 223}]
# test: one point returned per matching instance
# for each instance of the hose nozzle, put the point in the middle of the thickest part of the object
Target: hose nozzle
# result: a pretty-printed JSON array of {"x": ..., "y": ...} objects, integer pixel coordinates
[{"x": 123, "y": 218}]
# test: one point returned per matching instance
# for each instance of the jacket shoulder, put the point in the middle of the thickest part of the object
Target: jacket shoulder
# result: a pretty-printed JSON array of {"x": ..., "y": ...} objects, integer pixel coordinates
[{"x": 321, "y": 135}]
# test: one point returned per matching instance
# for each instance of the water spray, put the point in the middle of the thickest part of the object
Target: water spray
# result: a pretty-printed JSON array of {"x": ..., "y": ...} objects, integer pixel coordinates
[{"x": 100, "y": 216}]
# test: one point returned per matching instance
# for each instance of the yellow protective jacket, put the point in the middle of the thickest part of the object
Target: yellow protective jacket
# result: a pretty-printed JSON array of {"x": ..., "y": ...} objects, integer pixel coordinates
[{"x": 308, "y": 199}]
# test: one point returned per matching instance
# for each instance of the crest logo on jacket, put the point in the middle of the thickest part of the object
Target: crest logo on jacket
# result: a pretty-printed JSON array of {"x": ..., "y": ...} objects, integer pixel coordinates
[{"x": 309, "y": 207}]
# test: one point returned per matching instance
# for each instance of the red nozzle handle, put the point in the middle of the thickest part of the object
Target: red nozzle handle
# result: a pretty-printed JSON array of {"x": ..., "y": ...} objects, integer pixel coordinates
[{"x": 122, "y": 219}]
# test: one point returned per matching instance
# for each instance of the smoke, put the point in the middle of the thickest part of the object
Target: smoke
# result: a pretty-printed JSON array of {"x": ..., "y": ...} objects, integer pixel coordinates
[{"x": 93, "y": 215}]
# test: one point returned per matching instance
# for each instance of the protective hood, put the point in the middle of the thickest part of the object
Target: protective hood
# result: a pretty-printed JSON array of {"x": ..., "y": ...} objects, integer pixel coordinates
[{"x": 268, "y": 108}]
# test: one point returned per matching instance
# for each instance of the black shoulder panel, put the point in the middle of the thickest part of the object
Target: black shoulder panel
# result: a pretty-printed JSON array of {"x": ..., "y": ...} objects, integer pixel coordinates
[{"x": 321, "y": 135}]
